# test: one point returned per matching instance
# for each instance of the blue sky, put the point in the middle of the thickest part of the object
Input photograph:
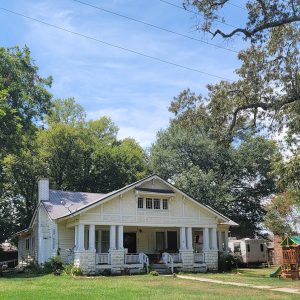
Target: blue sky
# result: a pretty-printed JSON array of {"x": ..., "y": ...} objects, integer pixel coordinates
[{"x": 134, "y": 91}]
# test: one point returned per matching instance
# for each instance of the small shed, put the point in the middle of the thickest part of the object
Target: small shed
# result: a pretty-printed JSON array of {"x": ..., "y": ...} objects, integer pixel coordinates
[{"x": 291, "y": 257}]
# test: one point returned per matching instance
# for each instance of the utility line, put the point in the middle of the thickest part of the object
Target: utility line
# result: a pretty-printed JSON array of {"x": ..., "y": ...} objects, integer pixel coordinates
[
  {"x": 154, "y": 26},
  {"x": 113, "y": 45},
  {"x": 193, "y": 12}
]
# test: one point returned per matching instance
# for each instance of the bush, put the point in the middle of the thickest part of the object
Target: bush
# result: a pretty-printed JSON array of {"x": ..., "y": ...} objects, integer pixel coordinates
[
  {"x": 54, "y": 265},
  {"x": 154, "y": 273},
  {"x": 228, "y": 262},
  {"x": 68, "y": 269},
  {"x": 76, "y": 271}
]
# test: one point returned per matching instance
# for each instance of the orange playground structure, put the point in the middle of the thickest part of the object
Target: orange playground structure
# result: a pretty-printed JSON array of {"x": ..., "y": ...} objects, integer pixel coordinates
[{"x": 291, "y": 257}]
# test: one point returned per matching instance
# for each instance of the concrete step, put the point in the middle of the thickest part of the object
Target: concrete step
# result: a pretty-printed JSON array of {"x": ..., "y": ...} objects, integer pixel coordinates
[{"x": 160, "y": 268}]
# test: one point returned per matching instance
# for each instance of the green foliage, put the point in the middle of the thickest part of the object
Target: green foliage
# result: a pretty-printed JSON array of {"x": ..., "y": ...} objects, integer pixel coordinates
[
  {"x": 153, "y": 273},
  {"x": 76, "y": 271},
  {"x": 54, "y": 265},
  {"x": 228, "y": 262},
  {"x": 67, "y": 269},
  {"x": 233, "y": 179},
  {"x": 279, "y": 218},
  {"x": 24, "y": 98}
]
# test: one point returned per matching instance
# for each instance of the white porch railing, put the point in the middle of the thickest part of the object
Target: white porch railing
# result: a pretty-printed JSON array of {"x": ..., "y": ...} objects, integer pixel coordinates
[
  {"x": 198, "y": 257},
  {"x": 176, "y": 257},
  {"x": 132, "y": 258},
  {"x": 168, "y": 260},
  {"x": 102, "y": 258}
]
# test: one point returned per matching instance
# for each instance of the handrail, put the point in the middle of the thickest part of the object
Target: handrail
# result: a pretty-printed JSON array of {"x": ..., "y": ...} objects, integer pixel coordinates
[
  {"x": 168, "y": 259},
  {"x": 144, "y": 259}
]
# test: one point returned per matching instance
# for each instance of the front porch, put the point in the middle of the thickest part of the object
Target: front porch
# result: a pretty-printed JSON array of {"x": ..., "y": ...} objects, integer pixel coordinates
[{"x": 129, "y": 249}]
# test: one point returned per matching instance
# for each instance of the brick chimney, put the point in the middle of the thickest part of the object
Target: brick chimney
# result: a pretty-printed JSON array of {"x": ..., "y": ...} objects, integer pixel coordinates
[{"x": 43, "y": 191}]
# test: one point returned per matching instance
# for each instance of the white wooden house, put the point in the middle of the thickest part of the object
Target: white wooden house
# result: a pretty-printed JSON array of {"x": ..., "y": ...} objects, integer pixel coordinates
[{"x": 148, "y": 221}]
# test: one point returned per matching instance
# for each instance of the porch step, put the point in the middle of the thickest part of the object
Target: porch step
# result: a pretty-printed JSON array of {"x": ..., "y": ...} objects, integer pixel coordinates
[{"x": 160, "y": 268}]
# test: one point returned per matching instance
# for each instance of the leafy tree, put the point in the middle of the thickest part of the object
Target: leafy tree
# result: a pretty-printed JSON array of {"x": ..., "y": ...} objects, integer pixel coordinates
[
  {"x": 282, "y": 215},
  {"x": 266, "y": 94},
  {"x": 232, "y": 179},
  {"x": 24, "y": 98},
  {"x": 65, "y": 111}
]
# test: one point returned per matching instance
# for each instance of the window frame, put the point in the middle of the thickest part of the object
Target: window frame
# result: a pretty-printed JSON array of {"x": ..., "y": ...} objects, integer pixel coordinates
[
  {"x": 156, "y": 204},
  {"x": 140, "y": 201},
  {"x": 148, "y": 202},
  {"x": 165, "y": 204},
  {"x": 27, "y": 244}
]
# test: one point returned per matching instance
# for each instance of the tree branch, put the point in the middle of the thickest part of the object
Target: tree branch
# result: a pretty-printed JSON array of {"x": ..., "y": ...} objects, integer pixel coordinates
[{"x": 249, "y": 33}]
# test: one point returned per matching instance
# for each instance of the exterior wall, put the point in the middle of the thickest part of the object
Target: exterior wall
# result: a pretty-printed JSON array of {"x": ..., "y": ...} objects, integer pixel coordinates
[
  {"x": 86, "y": 261},
  {"x": 211, "y": 260},
  {"x": 47, "y": 236},
  {"x": 123, "y": 210},
  {"x": 66, "y": 241},
  {"x": 278, "y": 260},
  {"x": 255, "y": 255}
]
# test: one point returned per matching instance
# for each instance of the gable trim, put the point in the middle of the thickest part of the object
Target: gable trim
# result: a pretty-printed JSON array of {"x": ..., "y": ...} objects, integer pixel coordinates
[{"x": 138, "y": 183}]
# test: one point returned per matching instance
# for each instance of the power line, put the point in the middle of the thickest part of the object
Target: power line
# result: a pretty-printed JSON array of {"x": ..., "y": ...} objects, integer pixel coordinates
[
  {"x": 195, "y": 13},
  {"x": 154, "y": 26},
  {"x": 113, "y": 45}
]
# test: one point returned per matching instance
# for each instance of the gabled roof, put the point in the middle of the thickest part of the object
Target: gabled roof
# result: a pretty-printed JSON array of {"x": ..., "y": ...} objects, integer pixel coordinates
[{"x": 63, "y": 204}]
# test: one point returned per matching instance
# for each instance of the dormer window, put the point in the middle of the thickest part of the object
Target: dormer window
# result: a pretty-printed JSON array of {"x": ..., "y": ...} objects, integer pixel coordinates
[{"x": 152, "y": 203}]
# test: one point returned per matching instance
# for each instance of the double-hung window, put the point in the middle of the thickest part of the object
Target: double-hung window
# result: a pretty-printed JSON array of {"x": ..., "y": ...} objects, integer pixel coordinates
[
  {"x": 165, "y": 204},
  {"x": 140, "y": 202},
  {"x": 156, "y": 203},
  {"x": 149, "y": 204}
]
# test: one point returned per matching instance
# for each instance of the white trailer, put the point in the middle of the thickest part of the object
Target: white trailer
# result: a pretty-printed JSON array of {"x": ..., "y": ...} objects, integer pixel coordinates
[{"x": 250, "y": 250}]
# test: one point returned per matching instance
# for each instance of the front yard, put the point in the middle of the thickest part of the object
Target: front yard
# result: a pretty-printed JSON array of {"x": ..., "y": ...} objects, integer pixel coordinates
[
  {"x": 24, "y": 287},
  {"x": 252, "y": 276}
]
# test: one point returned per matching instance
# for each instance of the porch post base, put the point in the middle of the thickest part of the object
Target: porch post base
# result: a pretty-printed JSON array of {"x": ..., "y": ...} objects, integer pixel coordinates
[
  {"x": 117, "y": 258},
  {"x": 211, "y": 260},
  {"x": 187, "y": 257},
  {"x": 86, "y": 261}
]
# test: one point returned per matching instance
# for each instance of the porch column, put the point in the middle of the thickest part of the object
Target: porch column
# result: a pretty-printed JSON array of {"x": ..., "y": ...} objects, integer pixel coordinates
[
  {"x": 80, "y": 237},
  {"x": 112, "y": 237},
  {"x": 76, "y": 237},
  {"x": 182, "y": 238},
  {"x": 99, "y": 241},
  {"x": 120, "y": 237},
  {"x": 214, "y": 239},
  {"x": 189, "y": 238},
  {"x": 226, "y": 241},
  {"x": 220, "y": 244},
  {"x": 92, "y": 237},
  {"x": 205, "y": 239}
]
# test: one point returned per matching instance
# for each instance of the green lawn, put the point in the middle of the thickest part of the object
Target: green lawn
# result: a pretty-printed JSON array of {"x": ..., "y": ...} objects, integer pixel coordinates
[
  {"x": 125, "y": 287},
  {"x": 253, "y": 276}
]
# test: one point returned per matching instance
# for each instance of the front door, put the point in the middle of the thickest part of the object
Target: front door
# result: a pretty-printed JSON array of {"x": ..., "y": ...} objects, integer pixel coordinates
[
  {"x": 130, "y": 241},
  {"x": 172, "y": 241}
]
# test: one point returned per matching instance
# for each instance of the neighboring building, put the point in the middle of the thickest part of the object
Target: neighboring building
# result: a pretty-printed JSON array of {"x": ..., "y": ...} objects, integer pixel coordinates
[
  {"x": 278, "y": 250},
  {"x": 150, "y": 219},
  {"x": 252, "y": 251}
]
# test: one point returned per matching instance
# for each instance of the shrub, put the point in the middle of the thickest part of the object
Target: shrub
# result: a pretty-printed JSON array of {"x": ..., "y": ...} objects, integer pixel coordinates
[
  {"x": 154, "y": 273},
  {"x": 228, "y": 262},
  {"x": 54, "y": 265},
  {"x": 68, "y": 269},
  {"x": 76, "y": 271}
]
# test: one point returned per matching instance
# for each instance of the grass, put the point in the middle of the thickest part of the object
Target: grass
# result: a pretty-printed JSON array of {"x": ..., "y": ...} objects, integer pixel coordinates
[
  {"x": 253, "y": 276},
  {"x": 25, "y": 286}
]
